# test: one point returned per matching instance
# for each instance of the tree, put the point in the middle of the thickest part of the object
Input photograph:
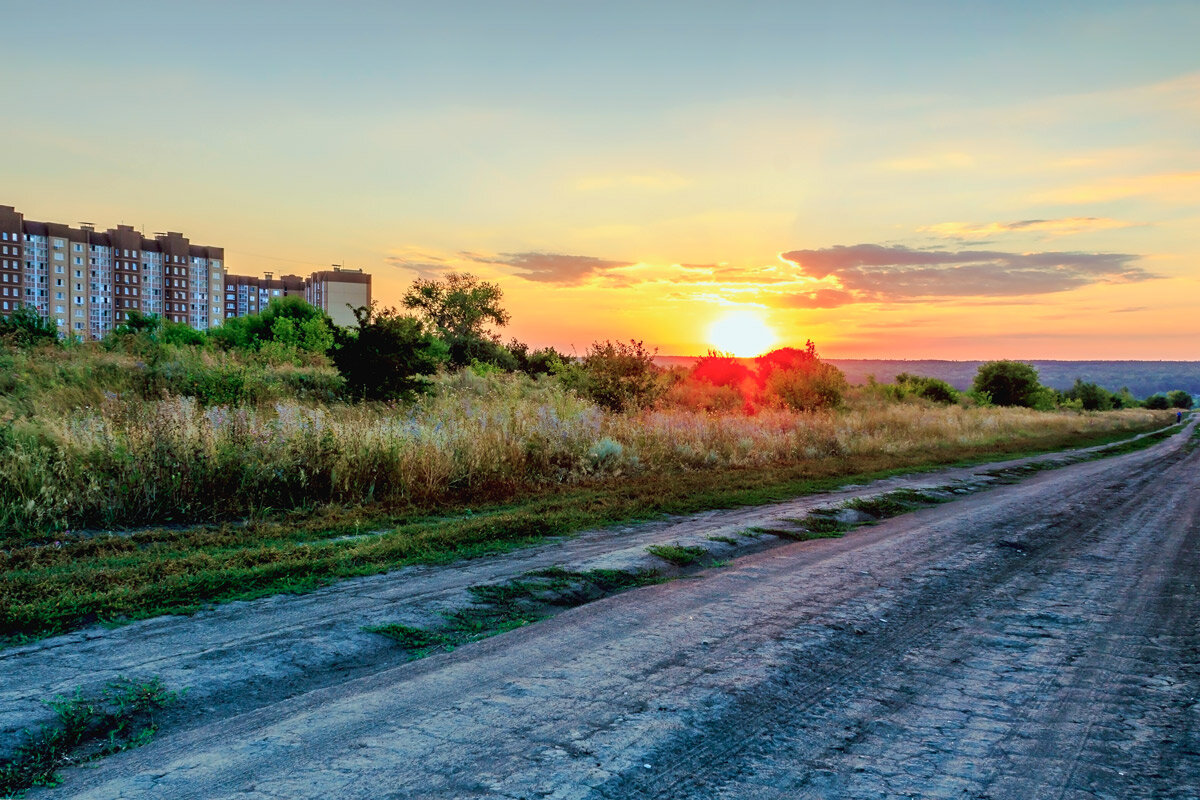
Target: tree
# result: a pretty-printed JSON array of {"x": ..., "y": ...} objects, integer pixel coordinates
[
  {"x": 460, "y": 308},
  {"x": 386, "y": 356},
  {"x": 1179, "y": 399},
  {"x": 1090, "y": 396},
  {"x": 1009, "y": 383},
  {"x": 24, "y": 328}
]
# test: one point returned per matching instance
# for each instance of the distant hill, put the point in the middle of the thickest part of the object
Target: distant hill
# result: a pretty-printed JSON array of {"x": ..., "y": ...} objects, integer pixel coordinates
[{"x": 1143, "y": 378}]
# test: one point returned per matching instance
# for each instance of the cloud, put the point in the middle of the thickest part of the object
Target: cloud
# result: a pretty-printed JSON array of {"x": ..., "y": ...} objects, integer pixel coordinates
[
  {"x": 426, "y": 266},
  {"x": 820, "y": 298},
  {"x": 564, "y": 270},
  {"x": 877, "y": 273},
  {"x": 1052, "y": 227}
]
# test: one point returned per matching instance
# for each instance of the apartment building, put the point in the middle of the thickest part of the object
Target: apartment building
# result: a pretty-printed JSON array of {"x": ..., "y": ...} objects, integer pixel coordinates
[
  {"x": 87, "y": 281},
  {"x": 336, "y": 292}
]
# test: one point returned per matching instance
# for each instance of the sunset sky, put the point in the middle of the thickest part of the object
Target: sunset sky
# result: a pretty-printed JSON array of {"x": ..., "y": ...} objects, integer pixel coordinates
[{"x": 891, "y": 180}]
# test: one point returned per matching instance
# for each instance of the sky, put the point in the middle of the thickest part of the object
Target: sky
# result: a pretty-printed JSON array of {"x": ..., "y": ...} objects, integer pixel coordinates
[{"x": 959, "y": 180}]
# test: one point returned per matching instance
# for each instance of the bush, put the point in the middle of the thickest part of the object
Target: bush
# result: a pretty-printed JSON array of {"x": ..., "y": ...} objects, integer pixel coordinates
[
  {"x": 1010, "y": 383},
  {"x": 1157, "y": 402},
  {"x": 798, "y": 379},
  {"x": 1179, "y": 399},
  {"x": 933, "y": 389},
  {"x": 289, "y": 322},
  {"x": 24, "y": 328},
  {"x": 615, "y": 375},
  {"x": 387, "y": 355}
]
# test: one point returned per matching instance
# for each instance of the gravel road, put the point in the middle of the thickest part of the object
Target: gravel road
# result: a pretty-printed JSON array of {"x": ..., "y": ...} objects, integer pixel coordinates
[{"x": 1035, "y": 640}]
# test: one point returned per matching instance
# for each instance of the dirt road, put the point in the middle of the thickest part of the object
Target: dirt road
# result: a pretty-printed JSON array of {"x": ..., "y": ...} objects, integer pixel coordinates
[{"x": 1036, "y": 640}]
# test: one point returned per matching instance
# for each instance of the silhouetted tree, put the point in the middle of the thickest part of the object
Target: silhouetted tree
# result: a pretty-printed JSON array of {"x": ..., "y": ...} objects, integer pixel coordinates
[
  {"x": 1009, "y": 383},
  {"x": 386, "y": 355},
  {"x": 460, "y": 307}
]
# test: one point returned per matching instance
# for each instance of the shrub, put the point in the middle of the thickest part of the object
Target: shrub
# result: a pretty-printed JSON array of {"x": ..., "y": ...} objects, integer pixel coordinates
[
  {"x": 933, "y": 389},
  {"x": 615, "y": 375},
  {"x": 387, "y": 355},
  {"x": 1179, "y": 399},
  {"x": 1158, "y": 402},
  {"x": 24, "y": 328},
  {"x": 798, "y": 379},
  {"x": 1010, "y": 383}
]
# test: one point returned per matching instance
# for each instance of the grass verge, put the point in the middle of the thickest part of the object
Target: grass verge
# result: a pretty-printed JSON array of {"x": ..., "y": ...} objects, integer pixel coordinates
[
  {"x": 679, "y": 555},
  {"x": 123, "y": 716},
  {"x": 53, "y": 586},
  {"x": 501, "y": 607}
]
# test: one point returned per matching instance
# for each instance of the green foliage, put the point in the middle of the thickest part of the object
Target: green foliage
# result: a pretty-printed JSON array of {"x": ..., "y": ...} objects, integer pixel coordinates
[
  {"x": 290, "y": 323},
  {"x": 460, "y": 308},
  {"x": 618, "y": 376},
  {"x": 679, "y": 555},
  {"x": 536, "y": 362},
  {"x": 799, "y": 380},
  {"x": 1090, "y": 396},
  {"x": 123, "y": 716},
  {"x": 1179, "y": 399},
  {"x": 24, "y": 328},
  {"x": 387, "y": 356},
  {"x": 932, "y": 389},
  {"x": 1157, "y": 402},
  {"x": 1011, "y": 383},
  {"x": 181, "y": 335}
]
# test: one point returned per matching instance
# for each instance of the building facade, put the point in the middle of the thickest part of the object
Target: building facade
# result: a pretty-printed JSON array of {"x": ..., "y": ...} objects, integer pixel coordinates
[
  {"x": 336, "y": 292},
  {"x": 86, "y": 281}
]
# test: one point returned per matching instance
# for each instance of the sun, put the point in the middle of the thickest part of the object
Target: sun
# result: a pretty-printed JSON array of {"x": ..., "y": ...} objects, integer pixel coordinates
[{"x": 742, "y": 333}]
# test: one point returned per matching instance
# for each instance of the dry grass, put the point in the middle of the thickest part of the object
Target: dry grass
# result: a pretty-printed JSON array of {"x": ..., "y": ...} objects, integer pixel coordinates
[{"x": 125, "y": 461}]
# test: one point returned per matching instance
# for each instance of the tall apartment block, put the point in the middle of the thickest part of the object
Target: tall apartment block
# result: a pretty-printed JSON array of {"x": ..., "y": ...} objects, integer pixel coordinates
[
  {"x": 86, "y": 281},
  {"x": 336, "y": 292}
]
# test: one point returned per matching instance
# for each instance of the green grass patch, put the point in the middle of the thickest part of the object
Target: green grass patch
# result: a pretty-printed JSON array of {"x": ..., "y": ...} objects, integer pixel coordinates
[
  {"x": 501, "y": 607},
  {"x": 824, "y": 523},
  {"x": 679, "y": 555},
  {"x": 123, "y": 716},
  {"x": 894, "y": 503},
  {"x": 54, "y": 584}
]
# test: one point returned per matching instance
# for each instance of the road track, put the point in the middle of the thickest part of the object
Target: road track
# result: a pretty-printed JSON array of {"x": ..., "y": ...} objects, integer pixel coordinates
[{"x": 1037, "y": 640}]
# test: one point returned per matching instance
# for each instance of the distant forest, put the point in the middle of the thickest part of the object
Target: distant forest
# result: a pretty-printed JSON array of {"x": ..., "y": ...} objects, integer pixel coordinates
[{"x": 1143, "y": 378}]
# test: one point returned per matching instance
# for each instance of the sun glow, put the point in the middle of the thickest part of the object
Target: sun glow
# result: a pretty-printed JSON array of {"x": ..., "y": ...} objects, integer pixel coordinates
[{"x": 741, "y": 333}]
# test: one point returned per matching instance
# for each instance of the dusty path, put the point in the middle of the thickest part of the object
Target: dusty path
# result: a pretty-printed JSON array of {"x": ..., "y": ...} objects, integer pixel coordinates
[{"x": 1035, "y": 640}]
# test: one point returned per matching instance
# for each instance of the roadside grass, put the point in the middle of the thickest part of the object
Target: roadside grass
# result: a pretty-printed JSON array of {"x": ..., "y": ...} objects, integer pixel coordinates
[
  {"x": 501, "y": 607},
  {"x": 123, "y": 716},
  {"x": 52, "y": 584},
  {"x": 679, "y": 555}
]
